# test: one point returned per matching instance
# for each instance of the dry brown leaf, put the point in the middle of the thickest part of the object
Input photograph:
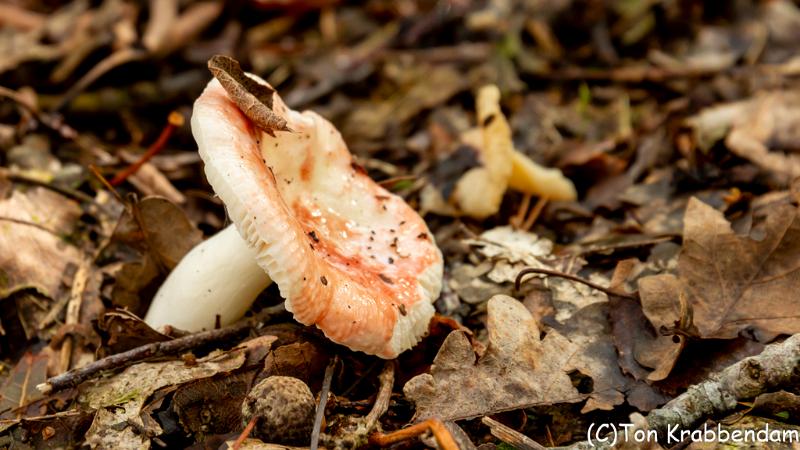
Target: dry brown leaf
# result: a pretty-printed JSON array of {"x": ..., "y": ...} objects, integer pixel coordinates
[
  {"x": 19, "y": 388},
  {"x": 762, "y": 129},
  {"x": 119, "y": 400},
  {"x": 168, "y": 231},
  {"x": 213, "y": 405},
  {"x": 768, "y": 132},
  {"x": 589, "y": 330},
  {"x": 732, "y": 282},
  {"x": 36, "y": 223},
  {"x": 160, "y": 227},
  {"x": 121, "y": 330},
  {"x": 517, "y": 370},
  {"x": 254, "y": 99}
]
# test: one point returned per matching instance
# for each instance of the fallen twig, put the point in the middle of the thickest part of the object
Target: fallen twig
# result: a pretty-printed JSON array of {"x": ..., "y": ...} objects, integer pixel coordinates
[
  {"x": 381, "y": 405},
  {"x": 775, "y": 367},
  {"x": 439, "y": 430},
  {"x": 174, "y": 121},
  {"x": 323, "y": 401},
  {"x": 77, "y": 376},
  {"x": 568, "y": 276},
  {"x": 245, "y": 433},
  {"x": 778, "y": 365},
  {"x": 511, "y": 436}
]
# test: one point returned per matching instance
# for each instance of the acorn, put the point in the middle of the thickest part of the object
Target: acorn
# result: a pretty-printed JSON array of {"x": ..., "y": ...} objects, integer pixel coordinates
[{"x": 284, "y": 407}]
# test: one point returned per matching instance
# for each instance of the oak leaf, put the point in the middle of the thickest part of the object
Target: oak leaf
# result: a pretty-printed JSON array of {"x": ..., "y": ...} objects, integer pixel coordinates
[{"x": 733, "y": 282}]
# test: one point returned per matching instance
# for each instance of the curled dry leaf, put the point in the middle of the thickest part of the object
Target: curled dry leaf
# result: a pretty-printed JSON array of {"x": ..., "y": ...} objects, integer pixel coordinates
[
  {"x": 253, "y": 98},
  {"x": 517, "y": 370},
  {"x": 763, "y": 130},
  {"x": 731, "y": 282}
]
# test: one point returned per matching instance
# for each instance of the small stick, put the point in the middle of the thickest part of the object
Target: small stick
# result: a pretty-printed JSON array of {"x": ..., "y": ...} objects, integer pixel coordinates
[
  {"x": 511, "y": 436},
  {"x": 174, "y": 121},
  {"x": 245, "y": 433},
  {"x": 389, "y": 182},
  {"x": 555, "y": 273},
  {"x": 75, "y": 377},
  {"x": 96, "y": 172},
  {"x": 323, "y": 401},
  {"x": 72, "y": 193},
  {"x": 74, "y": 304},
  {"x": 440, "y": 432},
  {"x": 384, "y": 395},
  {"x": 51, "y": 121}
]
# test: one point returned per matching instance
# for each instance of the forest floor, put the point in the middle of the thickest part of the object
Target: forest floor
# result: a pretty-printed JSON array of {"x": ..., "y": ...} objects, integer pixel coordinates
[{"x": 677, "y": 121}]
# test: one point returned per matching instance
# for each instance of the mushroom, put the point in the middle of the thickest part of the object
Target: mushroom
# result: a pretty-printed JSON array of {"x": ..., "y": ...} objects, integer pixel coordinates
[
  {"x": 347, "y": 255},
  {"x": 479, "y": 191}
]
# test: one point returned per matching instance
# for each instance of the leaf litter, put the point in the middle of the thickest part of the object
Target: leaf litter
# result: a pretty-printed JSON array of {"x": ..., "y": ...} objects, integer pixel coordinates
[{"x": 672, "y": 258}]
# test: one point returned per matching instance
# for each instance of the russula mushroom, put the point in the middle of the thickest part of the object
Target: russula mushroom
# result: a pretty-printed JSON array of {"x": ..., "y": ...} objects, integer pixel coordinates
[{"x": 347, "y": 255}]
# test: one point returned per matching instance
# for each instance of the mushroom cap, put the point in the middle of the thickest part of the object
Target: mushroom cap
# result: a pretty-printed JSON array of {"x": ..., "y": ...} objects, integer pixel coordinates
[{"x": 348, "y": 256}]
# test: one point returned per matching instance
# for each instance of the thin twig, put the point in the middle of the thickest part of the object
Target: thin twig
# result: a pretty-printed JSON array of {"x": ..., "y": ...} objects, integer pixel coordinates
[
  {"x": 245, "y": 433},
  {"x": 439, "y": 430},
  {"x": 74, "y": 304},
  {"x": 174, "y": 121},
  {"x": 555, "y": 273},
  {"x": 124, "y": 359},
  {"x": 52, "y": 121},
  {"x": 323, "y": 401},
  {"x": 381, "y": 405},
  {"x": 511, "y": 436},
  {"x": 30, "y": 224},
  {"x": 72, "y": 193},
  {"x": 389, "y": 182},
  {"x": 96, "y": 172}
]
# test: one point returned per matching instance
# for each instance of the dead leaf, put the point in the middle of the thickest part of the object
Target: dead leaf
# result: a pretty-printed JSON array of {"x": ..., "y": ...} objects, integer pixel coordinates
[
  {"x": 19, "y": 388},
  {"x": 213, "y": 405},
  {"x": 60, "y": 430},
  {"x": 253, "y": 98},
  {"x": 767, "y": 133},
  {"x": 762, "y": 129},
  {"x": 423, "y": 87},
  {"x": 589, "y": 330},
  {"x": 120, "y": 331},
  {"x": 518, "y": 370},
  {"x": 119, "y": 400},
  {"x": 168, "y": 232},
  {"x": 733, "y": 282},
  {"x": 37, "y": 223}
]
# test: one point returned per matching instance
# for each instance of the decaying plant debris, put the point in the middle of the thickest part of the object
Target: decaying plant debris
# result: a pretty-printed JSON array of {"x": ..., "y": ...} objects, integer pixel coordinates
[{"x": 636, "y": 161}]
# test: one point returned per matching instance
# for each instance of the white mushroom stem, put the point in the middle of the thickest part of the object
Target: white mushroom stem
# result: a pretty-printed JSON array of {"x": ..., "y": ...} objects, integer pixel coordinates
[{"x": 218, "y": 277}]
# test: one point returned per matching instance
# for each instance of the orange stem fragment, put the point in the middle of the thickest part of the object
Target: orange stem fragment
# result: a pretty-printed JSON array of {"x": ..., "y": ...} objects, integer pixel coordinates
[
  {"x": 245, "y": 433},
  {"x": 440, "y": 432},
  {"x": 174, "y": 121}
]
